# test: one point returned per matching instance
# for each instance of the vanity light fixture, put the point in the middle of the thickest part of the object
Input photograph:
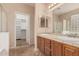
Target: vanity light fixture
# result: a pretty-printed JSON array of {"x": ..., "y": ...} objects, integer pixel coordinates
[{"x": 52, "y": 5}]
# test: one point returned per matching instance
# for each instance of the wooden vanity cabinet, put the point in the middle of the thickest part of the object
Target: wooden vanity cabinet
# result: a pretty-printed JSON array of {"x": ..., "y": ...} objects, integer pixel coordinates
[
  {"x": 56, "y": 48},
  {"x": 69, "y": 50},
  {"x": 47, "y": 47}
]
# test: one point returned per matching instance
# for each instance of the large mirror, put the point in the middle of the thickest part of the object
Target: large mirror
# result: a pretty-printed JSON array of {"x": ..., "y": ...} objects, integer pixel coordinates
[{"x": 66, "y": 19}]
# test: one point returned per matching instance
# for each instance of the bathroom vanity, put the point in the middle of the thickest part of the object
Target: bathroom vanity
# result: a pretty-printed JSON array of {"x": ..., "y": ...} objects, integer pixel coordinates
[{"x": 58, "y": 45}]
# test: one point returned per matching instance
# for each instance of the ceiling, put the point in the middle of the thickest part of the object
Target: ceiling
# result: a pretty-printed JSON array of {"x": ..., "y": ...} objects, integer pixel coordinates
[
  {"x": 30, "y": 4},
  {"x": 66, "y": 8}
]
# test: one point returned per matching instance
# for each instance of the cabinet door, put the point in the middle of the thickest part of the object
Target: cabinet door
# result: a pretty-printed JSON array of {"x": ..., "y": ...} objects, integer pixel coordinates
[
  {"x": 70, "y": 50},
  {"x": 47, "y": 47},
  {"x": 52, "y": 48},
  {"x": 38, "y": 42},
  {"x": 56, "y": 48},
  {"x": 42, "y": 45}
]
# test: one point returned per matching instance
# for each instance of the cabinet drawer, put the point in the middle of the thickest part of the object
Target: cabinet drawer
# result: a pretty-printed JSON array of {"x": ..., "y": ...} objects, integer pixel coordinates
[{"x": 70, "y": 50}]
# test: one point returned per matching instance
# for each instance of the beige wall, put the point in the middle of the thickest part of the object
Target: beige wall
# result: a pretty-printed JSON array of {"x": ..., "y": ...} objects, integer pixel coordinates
[
  {"x": 11, "y": 10},
  {"x": 3, "y": 17},
  {"x": 42, "y": 9}
]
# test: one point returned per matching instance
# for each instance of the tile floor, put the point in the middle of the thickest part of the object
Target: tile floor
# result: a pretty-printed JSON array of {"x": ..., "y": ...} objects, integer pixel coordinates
[
  {"x": 24, "y": 51},
  {"x": 21, "y": 42}
]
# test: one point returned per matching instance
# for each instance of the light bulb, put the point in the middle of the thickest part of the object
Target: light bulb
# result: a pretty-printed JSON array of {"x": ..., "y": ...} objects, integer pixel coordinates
[
  {"x": 52, "y": 5},
  {"x": 49, "y": 6}
]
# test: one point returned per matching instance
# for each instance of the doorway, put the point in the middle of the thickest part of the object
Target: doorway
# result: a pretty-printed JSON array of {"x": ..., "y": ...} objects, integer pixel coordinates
[{"x": 22, "y": 29}]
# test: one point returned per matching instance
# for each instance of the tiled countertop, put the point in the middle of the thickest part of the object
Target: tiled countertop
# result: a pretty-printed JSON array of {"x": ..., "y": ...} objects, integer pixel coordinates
[{"x": 63, "y": 39}]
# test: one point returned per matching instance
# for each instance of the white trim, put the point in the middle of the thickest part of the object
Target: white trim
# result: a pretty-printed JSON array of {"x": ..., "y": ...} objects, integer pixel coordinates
[
  {"x": 15, "y": 31},
  {"x": 29, "y": 30}
]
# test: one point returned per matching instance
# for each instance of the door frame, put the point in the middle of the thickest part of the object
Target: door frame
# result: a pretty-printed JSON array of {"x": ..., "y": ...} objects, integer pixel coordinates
[{"x": 15, "y": 27}]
